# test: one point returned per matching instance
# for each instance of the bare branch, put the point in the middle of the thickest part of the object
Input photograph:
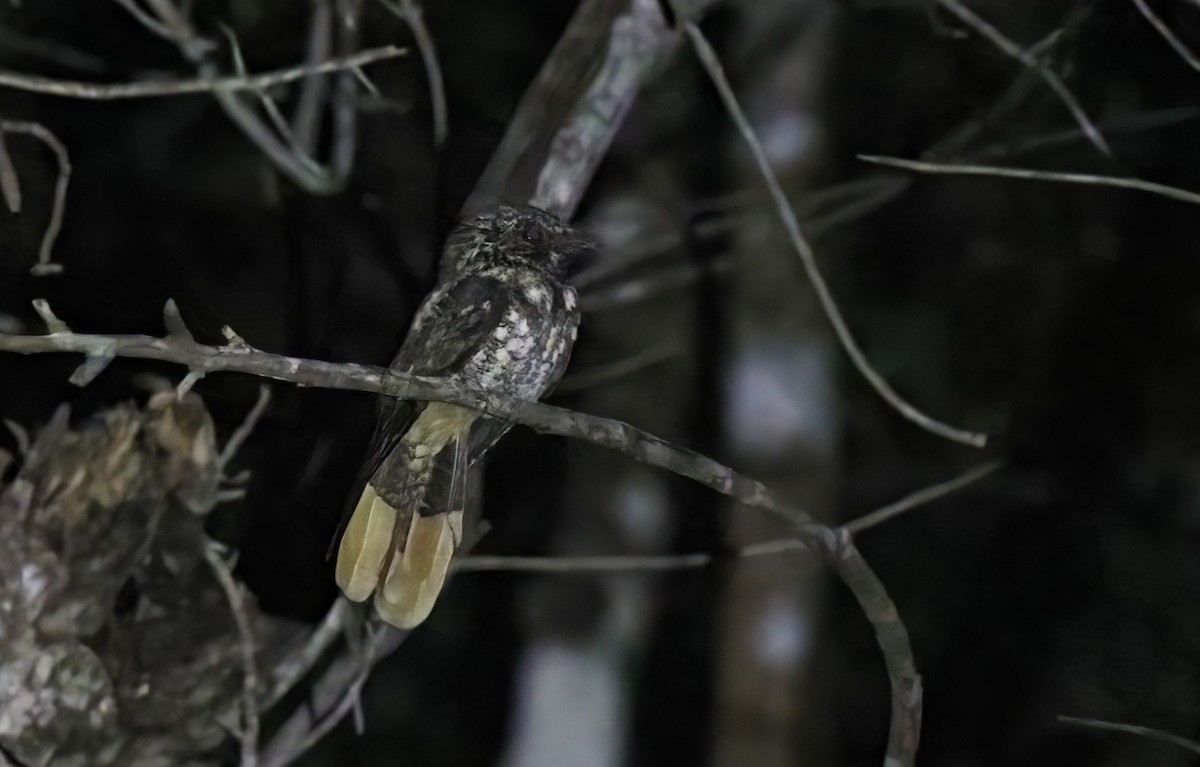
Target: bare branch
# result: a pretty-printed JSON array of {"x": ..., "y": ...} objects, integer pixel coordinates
[
  {"x": 604, "y": 374},
  {"x": 1133, "y": 729},
  {"x": 904, "y": 732},
  {"x": 243, "y": 431},
  {"x": 568, "y": 116},
  {"x": 306, "y": 122},
  {"x": 145, "y": 19},
  {"x": 264, "y": 99},
  {"x": 115, "y": 91},
  {"x": 413, "y": 17},
  {"x": 669, "y": 562},
  {"x": 201, "y": 359},
  {"x": 1028, "y": 59},
  {"x": 923, "y": 496},
  {"x": 248, "y": 733},
  {"x": 345, "y": 93},
  {"x": 1161, "y": 27},
  {"x": 288, "y": 674},
  {"x": 58, "y": 208},
  {"x": 10, "y": 182},
  {"x": 614, "y": 563},
  {"x": 1086, "y": 179},
  {"x": 588, "y": 130},
  {"x": 788, "y": 217},
  {"x": 331, "y": 698}
]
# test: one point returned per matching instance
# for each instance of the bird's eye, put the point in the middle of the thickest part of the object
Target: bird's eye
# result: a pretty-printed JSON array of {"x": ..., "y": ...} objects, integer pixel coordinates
[{"x": 532, "y": 234}]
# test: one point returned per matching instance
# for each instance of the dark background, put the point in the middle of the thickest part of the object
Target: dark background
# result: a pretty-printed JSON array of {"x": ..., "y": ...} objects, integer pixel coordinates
[{"x": 1062, "y": 319}]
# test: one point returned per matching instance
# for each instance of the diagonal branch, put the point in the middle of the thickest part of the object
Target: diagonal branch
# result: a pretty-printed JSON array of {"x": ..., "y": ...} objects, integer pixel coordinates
[
  {"x": 1029, "y": 59},
  {"x": 1172, "y": 39},
  {"x": 172, "y": 22},
  {"x": 808, "y": 259}
]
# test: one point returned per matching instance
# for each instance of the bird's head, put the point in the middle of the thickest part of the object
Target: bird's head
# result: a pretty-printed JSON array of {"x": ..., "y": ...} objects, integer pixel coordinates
[{"x": 521, "y": 237}]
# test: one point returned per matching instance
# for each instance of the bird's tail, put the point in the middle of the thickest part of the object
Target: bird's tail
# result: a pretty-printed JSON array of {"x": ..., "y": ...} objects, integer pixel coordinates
[{"x": 408, "y": 522}]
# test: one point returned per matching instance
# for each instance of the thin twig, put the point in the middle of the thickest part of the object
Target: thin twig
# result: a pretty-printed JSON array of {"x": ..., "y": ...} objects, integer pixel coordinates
[
  {"x": 1122, "y": 124},
  {"x": 1133, "y": 729},
  {"x": 331, "y": 698},
  {"x": 248, "y": 733},
  {"x": 109, "y": 92},
  {"x": 1161, "y": 27},
  {"x": 1010, "y": 48},
  {"x": 337, "y": 620},
  {"x": 788, "y": 217},
  {"x": 243, "y": 431},
  {"x": 923, "y": 496},
  {"x": 145, "y": 19},
  {"x": 622, "y": 563},
  {"x": 59, "y": 206},
  {"x": 606, "y": 374},
  {"x": 1027, "y": 174},
  {"x": 288, "y": 158},
  {"x": 332, "y": 718},
  {"x": 669, "y": 562},
  {"x": 10, "y": 182},
  {"x": 306, "y": 121},
  {"x": 50, "y": 51},
  {"x": 414, "y": 18},
  {"x": 345, "y": 93},
  {"x": 264, "y": 99}
]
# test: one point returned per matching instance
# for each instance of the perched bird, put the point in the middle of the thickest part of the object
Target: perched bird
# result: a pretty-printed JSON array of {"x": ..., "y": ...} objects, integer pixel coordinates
[{"x": 502, "y": 319}]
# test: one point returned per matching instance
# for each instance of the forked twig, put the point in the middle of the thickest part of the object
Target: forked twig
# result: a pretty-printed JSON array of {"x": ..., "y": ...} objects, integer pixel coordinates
[
  {"x": 1028, "y": 59},
  {"x": 289, "y": 158}
]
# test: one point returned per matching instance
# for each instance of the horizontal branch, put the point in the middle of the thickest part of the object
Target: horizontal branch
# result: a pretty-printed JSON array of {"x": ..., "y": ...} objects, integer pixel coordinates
[
  {"x": 140, "y": 90},
  {"x": 1028, "y": 174},
  {"x": 238, "y": 357}
]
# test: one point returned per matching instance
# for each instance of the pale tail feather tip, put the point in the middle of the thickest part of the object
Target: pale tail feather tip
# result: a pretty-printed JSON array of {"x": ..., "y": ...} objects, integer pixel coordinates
[
  {"x": 406, "y": 599},
  {"x": 364, "y": 546}
]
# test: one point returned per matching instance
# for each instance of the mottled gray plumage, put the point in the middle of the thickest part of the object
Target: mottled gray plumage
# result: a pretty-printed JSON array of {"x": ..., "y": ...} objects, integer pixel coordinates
[{"x": 502, "y": 319}]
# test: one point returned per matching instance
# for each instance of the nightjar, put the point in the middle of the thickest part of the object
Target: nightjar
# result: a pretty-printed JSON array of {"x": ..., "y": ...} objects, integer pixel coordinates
[{"x": 502, "y": 319}]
